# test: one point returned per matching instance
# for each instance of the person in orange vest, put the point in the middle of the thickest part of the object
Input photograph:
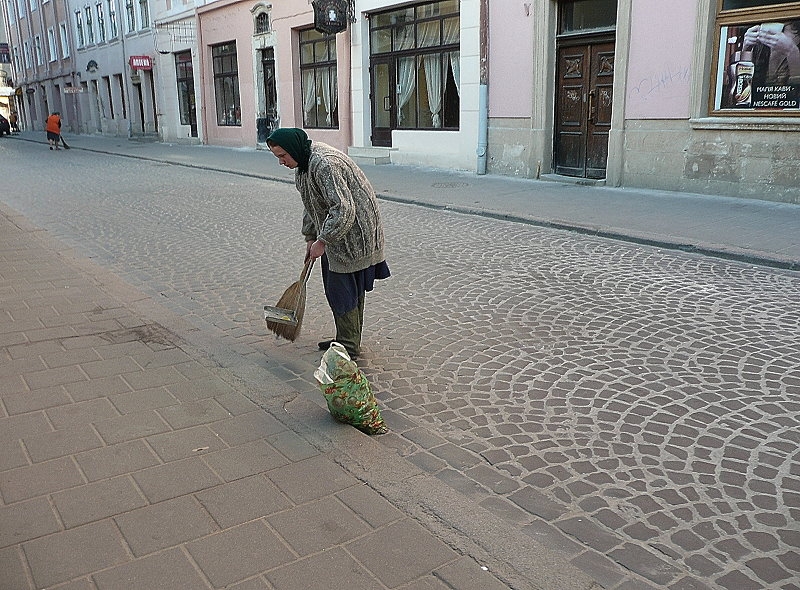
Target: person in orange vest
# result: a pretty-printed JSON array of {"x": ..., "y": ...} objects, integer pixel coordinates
[{"x": 53, "y": 128}]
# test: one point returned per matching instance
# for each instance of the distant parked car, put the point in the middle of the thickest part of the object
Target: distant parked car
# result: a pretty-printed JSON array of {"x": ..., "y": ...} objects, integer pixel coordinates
[{"x": 5, "y": 126}]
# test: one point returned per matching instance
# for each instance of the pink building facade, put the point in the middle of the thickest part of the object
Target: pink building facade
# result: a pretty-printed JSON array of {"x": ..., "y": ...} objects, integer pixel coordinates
[
  {"x": 257, "y": 60},
  {"x": 641, "y": 94}
]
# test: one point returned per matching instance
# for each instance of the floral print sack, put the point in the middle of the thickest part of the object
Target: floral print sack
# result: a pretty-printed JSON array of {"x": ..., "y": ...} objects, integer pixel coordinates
[{"x": 347, "y": 391}]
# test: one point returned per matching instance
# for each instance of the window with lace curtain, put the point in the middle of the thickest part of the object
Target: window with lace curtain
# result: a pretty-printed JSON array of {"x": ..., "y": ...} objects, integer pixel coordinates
[
  {"x": 424, "y": 43},
  {"x": 318, "y": 80}
]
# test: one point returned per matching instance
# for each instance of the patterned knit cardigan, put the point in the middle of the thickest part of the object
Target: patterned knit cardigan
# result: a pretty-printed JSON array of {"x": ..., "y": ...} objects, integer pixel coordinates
[{"x": 340, "y": 209}]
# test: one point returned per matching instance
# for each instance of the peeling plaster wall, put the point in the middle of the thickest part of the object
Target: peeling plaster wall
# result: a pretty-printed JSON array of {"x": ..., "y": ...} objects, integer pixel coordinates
[
  {"x": 509, "y": 150},
  {"x": 755, "y": 164}
]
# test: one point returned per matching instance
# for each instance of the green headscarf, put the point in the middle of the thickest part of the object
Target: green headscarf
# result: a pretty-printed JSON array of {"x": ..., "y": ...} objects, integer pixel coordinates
[{"x": 295, "y": 142}]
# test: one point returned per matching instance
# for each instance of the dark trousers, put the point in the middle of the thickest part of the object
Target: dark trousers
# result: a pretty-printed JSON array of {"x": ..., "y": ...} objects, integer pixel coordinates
[
  {"x": 345, "y": 294},
  {"x": 349, "y": 327}
]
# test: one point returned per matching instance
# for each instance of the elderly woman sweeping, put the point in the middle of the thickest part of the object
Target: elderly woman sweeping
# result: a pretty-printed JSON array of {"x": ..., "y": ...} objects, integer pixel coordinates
[{"x": 341, "y": 224}]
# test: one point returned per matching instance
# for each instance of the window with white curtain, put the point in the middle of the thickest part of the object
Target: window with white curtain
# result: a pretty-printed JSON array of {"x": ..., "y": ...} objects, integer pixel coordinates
[
  {"x": 423, "y": 42},
  {"x": 318, "y": 79}
]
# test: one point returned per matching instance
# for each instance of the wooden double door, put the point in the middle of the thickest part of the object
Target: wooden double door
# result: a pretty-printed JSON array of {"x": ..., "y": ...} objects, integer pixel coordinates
[{"x": 584, "y": 99}]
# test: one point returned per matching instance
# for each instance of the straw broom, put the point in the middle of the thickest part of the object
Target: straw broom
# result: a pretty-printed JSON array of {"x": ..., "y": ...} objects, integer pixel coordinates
[{"x": 293, "y": 303}]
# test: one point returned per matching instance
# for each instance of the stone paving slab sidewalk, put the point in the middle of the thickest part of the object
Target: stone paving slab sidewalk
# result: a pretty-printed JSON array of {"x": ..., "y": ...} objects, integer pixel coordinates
[{"x": 130, "y": 461}]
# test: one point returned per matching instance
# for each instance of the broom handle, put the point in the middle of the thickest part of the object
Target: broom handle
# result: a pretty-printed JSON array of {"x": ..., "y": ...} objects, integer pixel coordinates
[
  {"x": 306, "y": 270},
  {"x": 304, "y": 276}
]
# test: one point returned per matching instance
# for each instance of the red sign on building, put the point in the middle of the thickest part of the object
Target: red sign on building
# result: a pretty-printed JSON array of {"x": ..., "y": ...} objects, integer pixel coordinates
[{"x": 141, "y": 62}]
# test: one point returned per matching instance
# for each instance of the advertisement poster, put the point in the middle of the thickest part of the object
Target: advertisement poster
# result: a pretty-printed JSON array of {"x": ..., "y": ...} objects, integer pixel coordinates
[{"x": 759, "y": 66}]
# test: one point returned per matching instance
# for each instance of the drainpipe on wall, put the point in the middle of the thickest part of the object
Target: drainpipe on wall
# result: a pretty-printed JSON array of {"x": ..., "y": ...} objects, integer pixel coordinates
[
  {"x": 203, "y": 131},
  {"x": 345, "y": 115},
  {"x": 483, "y": 89}
]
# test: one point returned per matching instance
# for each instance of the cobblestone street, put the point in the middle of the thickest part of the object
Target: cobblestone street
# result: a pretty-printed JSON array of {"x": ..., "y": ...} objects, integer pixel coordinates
[{"x": 635, "y": 408}]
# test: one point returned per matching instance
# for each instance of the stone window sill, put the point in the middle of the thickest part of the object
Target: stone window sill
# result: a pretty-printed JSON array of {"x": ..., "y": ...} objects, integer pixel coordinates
[{"x": 747, "y": 123}]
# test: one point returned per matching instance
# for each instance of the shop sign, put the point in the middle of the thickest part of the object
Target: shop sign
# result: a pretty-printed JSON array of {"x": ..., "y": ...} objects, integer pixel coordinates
[
  {"x": 73, "y": 89},
  {"x": 330, "y": 16},
  {"x": 755, "y": 71},
  {"x": 141, "y": 62}
]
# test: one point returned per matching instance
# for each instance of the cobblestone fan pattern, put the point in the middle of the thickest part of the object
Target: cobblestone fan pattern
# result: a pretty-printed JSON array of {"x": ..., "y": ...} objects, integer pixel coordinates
[{"x": 629, "y": 406}]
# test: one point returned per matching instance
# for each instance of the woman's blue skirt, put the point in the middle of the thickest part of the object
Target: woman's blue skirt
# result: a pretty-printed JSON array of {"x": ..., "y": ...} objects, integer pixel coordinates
[{"x": 344, "y": 291}]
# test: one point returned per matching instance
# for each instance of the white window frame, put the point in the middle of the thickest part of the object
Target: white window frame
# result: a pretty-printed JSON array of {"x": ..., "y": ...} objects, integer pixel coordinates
[
  {"x": 16, "y": 59},
  {"x": 144, "y": 14},
  {"x": 34, "y": 6},
  {"x": 113, "y": 29},
  {"x": 101, "y": 21},
  {"x": 80, "y": 33},
  {"x": 52, "y": 45},
  {"x": 88, "y": 24},
  {"x": 62, "y": 29},
  {"x": 27, "y": 55},
  {"x": 37, "y": 44},
  {"x": 130, "y": 16},
  {"x": 21, "y": 8},
  {"x": 12, "y": 12}
]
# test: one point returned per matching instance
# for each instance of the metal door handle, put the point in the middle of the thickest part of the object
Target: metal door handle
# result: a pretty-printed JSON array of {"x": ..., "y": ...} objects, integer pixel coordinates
[
  {"x": 387, "y": 103},
  {"x": 592, "y": 107}
]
